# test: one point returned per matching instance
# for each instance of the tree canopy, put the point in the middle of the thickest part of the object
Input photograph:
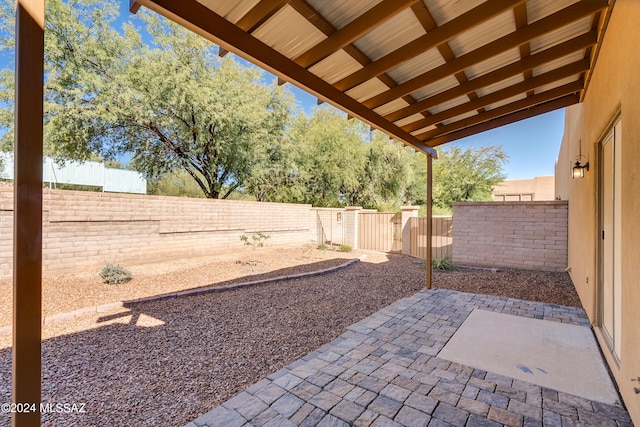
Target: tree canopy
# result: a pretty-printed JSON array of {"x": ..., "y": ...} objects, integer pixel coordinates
[
  {"x": 173, "y": 104},
  {"x": 161, "y": 95},
  {"x": 465, "y": 175}
]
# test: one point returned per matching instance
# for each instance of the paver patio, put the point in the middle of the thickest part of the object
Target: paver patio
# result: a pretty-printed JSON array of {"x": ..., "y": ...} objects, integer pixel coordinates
[{"x": 384, "y": 372}]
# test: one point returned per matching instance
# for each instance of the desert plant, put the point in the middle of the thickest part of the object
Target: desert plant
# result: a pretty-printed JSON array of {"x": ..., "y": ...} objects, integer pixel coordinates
[
  {"x": 115, "y": 274},
  {"x": 444, "y": 263},
  {"x": 256, "y": 240},
  {"x": 344, "y": 248},
  {"x": 322, "y": 247}
]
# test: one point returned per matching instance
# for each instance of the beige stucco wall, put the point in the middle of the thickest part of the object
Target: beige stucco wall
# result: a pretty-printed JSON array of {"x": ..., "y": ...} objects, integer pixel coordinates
[
  {"x": 537, "y": 188},
  {"x": 614, "y": 90}
]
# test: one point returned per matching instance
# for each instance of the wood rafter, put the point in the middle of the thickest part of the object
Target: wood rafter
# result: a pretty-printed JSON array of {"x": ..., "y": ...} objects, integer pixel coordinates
[
  {"x": 313, "y": 17},
  {"x": 569, "y": 88},
  {"x": 515, "y": 39},
  {"x": 563, "y": 102},
  {"x": 429, "y": 24},
  {"x": 520, "y": 15},
  {"x": 547, "y": 55},
  {"x": 436, "y": 37},
  {"x": 257, "y": 16},
  {"x": 363, "y": 24},
  {"x": 526, "y": 86}
]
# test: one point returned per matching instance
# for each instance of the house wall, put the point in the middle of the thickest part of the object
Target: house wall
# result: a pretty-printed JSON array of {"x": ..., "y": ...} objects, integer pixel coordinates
[
  {"x": 84, "y": 230},
  {"x": 515, "y": 190},
  {"x": 524, "y": 235},
  {"x": 614, "y": 91}
]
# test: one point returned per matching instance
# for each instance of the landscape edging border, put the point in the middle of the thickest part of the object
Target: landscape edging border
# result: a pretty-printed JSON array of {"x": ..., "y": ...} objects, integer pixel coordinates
[{"x": 104, "y": 308}]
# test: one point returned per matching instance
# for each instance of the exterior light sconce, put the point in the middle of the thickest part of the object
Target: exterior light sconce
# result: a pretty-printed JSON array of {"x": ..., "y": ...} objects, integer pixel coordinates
[{"x": 578, "y": 169}]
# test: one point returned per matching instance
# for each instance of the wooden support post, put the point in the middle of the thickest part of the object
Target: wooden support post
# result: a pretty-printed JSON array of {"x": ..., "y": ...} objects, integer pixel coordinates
[
  {"x": 27, "y": 228},
  {"x": 429, "y": 221}
]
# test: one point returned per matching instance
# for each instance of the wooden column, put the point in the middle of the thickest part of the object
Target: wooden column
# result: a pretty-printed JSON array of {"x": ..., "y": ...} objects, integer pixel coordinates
[
  {"x": 429, "y": 221},
  {"x": 27, "y": 228}
]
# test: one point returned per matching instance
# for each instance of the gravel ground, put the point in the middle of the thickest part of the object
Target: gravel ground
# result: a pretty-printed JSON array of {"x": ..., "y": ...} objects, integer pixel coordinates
[
  {"x": 166, "y": 362},
  {"x": 68, "y": 292}
]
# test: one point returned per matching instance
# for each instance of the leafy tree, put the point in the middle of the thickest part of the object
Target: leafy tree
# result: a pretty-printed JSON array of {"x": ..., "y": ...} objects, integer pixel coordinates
[
  {"x": 385, "y": 175},
  {"x": 466, "y": 174},
  {"x": 175, "y": 105},
  {"x": 330, "y": 157},
  {"x": 175, "y": 183}
]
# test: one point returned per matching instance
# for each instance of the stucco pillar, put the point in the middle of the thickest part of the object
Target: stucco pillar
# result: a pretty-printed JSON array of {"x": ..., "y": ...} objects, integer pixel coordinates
[
  {"x": 407, "y": 213},
  {"x": 351, "y": 226}
]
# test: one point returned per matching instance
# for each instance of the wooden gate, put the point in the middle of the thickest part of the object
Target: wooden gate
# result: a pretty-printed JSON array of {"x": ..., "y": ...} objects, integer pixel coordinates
[
  {"x": 441, "y": 237},
  {"x": 380, "y": 231}
]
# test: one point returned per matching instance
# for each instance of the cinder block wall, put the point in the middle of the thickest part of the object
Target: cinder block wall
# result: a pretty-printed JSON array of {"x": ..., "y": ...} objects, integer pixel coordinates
[
  {"x": 524, "y": 235},
  {"x": 83, "y": 230}
]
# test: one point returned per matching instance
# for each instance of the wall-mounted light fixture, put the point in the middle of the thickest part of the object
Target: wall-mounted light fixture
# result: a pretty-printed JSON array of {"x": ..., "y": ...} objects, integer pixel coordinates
[{"x": 577, "y": 171}]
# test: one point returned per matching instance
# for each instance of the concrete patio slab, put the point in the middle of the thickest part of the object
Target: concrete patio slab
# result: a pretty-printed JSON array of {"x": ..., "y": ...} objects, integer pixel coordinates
[
  {"x": 560, "y": 356},
  {"x": 383, "y": 371}
]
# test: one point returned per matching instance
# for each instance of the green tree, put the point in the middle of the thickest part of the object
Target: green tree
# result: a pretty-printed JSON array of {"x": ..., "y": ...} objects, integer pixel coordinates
[
  {"x": 386, "y": 174},
  {"x": 466, "y": 174},
  {"x": 175, "y": 105}
]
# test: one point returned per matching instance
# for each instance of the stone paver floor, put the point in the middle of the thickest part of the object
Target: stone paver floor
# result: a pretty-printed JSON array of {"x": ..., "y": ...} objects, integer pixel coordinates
[{"x": 383, "y": 372}]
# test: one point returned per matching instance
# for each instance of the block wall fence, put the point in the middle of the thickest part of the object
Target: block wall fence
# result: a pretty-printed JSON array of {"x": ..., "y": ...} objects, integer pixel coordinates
[
  {"x": 523, "y": 235},
  {"x": 85, "y": 230}
]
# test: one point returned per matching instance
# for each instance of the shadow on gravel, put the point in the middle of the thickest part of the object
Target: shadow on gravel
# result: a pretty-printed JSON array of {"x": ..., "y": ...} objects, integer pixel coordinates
[{"x": 165, "y": 362}]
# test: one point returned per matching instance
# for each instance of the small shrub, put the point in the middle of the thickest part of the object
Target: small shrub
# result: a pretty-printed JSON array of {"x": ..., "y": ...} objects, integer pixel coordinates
[
  {"x": 257, "y": 240},
  {"x": 443, "y": 263},
  {"x": 115, "y": 274},
  {"x": 322, "y": 247},
  {"x": 344, "y": 248}
]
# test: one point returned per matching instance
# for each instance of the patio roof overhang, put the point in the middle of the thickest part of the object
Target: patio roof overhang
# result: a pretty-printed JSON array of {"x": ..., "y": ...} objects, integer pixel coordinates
[{"x": 425, "y": 72}]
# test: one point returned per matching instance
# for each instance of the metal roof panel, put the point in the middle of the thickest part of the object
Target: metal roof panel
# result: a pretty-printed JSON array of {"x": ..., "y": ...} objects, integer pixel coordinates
[
  {"x": 482, "y": 34},
  {"x": 386, "y": 38},
  {"x": 300, "y": 37}
]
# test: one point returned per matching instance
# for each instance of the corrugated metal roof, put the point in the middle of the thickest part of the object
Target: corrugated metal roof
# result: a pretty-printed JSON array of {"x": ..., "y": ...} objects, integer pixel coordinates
[
  {"x": 335, "y": 67},
  {"x": 483, "y": 34},
  {"x": 302, "y": 37},
  {"x": 538, "y": 9},
  {"x": 444, "y": 11},
  {"x": 418, "y": 65},
  {"x": 386, "y": 38},
  {"x": 340, "y": 13},
  {"x": 394, "y": 63},
  {"x": 231, "y": 11}
]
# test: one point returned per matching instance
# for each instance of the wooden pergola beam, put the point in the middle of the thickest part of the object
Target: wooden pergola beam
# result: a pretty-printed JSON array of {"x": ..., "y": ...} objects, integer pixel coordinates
[
  {"x": 318, "y": 21},
  {"x": 506, "y": 119},
  {"x": 521, "y": 104},
  {"x": 428, "y": 41},
  {"x": 27, "y": 211},
  {"x": 568, "y": 70},
  {"x": 259, "y": 14},
  {"x": 495, "y": 76},
  {"x": 378, "y": 14},
  {"x": 510, "y": 41},
  {"x": 200, "y": 19}
]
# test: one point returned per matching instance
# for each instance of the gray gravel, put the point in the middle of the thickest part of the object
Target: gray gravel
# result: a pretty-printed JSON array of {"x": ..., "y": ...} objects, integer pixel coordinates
[{"x": 209, "y": 348}]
